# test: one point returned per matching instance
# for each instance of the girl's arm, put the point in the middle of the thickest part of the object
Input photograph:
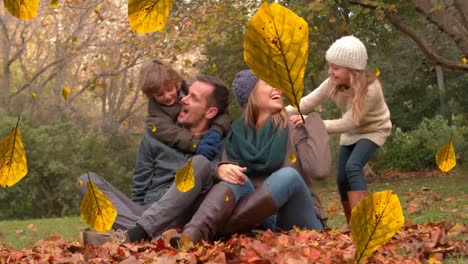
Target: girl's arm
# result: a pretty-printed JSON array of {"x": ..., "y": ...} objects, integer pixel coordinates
[{"x": 311, "y": 101}]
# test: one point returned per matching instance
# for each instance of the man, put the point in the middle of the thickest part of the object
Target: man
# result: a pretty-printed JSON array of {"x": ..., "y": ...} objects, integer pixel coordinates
[{"x": 157, "y": 204}]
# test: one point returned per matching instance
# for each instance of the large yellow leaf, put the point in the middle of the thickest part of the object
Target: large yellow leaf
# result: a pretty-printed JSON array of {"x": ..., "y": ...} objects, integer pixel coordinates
[
  {"x": 185, "y": 178},
  {"x": 96, "y": 209},
  {"x": 13, "y": 164},
  {"x": 22, "y": 9},
  {"x": 275, "y": 48},
  {"x": 146, "y": 16},
  {"x": 374, "y": 221},
  {"x": 445, "y": 157}
]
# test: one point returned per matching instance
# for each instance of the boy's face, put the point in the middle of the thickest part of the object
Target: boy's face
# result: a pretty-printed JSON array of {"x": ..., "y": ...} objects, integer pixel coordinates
[{"x": 166, "y": 94}]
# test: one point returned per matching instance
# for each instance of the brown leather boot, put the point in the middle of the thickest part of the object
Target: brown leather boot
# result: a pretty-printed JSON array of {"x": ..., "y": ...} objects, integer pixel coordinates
[
  {"x": 250, "y": 211},
  {"x": 355, "y": 197},
  {"x": 347, "y": 210},
  {"x": 212, "y": 214}
]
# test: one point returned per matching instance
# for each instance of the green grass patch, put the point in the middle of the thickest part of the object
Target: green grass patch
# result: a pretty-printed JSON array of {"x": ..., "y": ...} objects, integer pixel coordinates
[
  {"x": 422, "y": 199},
  {"x": 25, "y": 233}
]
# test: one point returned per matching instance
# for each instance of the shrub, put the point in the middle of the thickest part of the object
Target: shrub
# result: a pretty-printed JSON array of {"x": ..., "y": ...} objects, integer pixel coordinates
[
  {"x": 57, "y": 154},
  {"x": 415, "y": 150}
]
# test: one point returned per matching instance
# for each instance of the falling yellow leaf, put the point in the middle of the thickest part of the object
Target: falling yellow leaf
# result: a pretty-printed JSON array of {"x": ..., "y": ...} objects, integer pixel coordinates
[
  {"x": 226, "y": 198},
  {"x": 292, "y": 158},
  {"x": 66, "y": 92},
  {"x": 33, "y": 96},
  {"x": 13, "y": 164},
  {"x": 22, "y": 9},
  {"x": 80, "y": 183},
  {"x": 54, "y": 3},
  {"x": 195, "y": 145},
  {"x": 124, "y": 123},
  {"x": 146, "y": 16},
  {"x": 154, "y": 128},
  {"x": 75, "y": 40},
  {"x": 463, "y": 61},
  {"x": 376, "y": 72},
  {"x": 315, "y": 28},
  {"x": 275, "y": 48},
  {"x": 445, "y": 157},
  {"x": 185, "y": 178},
  {"x": 96, "y": 209},
  {"x": 374, "y": 221}
]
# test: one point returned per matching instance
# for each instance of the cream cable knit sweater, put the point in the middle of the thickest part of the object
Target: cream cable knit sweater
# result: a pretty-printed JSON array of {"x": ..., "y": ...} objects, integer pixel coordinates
[{"x": 375, "y": 123}]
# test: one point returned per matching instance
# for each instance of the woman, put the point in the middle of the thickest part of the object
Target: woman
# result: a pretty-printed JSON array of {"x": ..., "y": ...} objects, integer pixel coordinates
[
  {"x": 365, "y": 123},
  {"x": 267, "y": 169}
]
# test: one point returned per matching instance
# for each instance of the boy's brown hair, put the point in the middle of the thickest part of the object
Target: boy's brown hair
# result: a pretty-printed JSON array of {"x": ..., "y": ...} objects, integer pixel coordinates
[{"x": 155, "y": 73}]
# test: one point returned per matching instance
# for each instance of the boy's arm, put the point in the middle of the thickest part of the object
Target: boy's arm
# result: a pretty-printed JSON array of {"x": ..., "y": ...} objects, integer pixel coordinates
[{"x": 164, "y": 128}]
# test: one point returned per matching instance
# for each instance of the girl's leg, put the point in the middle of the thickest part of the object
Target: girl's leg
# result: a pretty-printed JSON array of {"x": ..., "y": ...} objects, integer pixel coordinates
[
  {"x": 362, "y": 152},
  {"x": 341, "y": 179},
  {"x": 360, "y": 155}
]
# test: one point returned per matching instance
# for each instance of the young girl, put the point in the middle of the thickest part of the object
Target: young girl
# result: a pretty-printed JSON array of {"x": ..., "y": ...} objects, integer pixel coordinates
[
  {"x": 365, "y": 122},
  {"x": 164, "y": 86}
]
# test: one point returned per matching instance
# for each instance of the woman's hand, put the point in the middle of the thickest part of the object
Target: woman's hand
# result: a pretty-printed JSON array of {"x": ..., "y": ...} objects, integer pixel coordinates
[
  {"x": 296, "y": 120},
  {"x": 232, "y": 173}
]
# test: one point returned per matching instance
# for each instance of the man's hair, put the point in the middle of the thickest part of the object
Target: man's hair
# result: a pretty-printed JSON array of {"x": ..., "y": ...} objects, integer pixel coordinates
[
  {"x": 220, "y": 95},
  {"x": 156, "y": 73}
]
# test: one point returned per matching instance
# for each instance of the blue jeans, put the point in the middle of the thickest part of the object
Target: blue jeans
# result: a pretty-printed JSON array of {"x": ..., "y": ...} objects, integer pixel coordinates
[
  {"x": 351, "y": 160},
  {"x": 290, "y": 195}
]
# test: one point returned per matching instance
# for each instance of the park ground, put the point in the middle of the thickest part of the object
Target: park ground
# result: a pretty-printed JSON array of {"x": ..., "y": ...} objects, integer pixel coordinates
[{"x": 425, "y": 197}]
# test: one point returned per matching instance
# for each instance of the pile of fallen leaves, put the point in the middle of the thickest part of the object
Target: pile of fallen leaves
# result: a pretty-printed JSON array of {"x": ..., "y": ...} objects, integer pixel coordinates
[{"x": 414, "y": 243}]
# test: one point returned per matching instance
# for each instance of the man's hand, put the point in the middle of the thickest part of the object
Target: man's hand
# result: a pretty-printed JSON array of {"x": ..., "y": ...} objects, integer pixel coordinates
[
  {"x": 232, "y": 173},
  {"x": 210, "y": 144}
]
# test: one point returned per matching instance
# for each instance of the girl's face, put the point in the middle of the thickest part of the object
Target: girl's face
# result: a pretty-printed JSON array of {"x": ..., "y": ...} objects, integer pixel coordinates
[
  {"x": 339, "y": 74},
  {"x": 268, "y": 99},
  {"x": 166, "y": 94}
]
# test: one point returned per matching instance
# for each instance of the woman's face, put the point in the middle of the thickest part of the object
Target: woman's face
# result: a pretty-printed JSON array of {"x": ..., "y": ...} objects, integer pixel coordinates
[
  {"x": 268, "y": 99},
  {"x": 339, "y": 74}
]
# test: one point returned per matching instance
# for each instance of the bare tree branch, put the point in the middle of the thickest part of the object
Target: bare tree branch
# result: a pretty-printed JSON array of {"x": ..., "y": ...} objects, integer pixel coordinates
[{"x": 430, "y": 54}]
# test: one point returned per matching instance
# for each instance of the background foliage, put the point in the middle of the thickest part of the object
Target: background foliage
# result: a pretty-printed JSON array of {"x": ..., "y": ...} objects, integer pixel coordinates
[{"x": 89, "y": 47}]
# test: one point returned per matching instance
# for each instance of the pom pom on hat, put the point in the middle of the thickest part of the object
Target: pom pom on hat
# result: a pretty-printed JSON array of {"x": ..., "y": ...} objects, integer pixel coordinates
[
  {"x": 349, "y": 52},
  {"x": 243, "y": 85}
]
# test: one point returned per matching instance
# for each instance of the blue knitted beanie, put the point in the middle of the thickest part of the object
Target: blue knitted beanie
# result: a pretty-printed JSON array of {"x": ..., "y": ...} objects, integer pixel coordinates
[{"x": 243, "y": 85}]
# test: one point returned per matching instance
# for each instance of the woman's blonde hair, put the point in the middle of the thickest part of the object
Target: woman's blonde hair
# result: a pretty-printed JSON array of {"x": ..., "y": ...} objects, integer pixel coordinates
[
  {"x": 280, "y": 119},
  {"x": 155, "y": 73},
  {"x": 360, "y": 81}
]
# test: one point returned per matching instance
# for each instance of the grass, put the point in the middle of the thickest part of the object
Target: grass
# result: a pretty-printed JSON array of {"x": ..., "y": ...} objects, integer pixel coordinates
[{"x": 423, "y": 199}]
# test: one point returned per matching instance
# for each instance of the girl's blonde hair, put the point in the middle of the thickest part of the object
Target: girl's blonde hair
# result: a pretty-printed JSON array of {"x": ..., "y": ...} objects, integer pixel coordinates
[
  {"x": 360, "y": 81},
  {"x": 280, "y": 119},
  {"x": 155, "y": 73}
]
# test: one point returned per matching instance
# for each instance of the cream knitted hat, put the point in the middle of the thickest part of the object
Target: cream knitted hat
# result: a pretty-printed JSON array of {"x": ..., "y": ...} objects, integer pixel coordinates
[{"x": 349, "y": 52}]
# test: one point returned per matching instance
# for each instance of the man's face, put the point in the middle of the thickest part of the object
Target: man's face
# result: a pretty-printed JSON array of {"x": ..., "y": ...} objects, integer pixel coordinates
[{"x": 195, "y": 107}]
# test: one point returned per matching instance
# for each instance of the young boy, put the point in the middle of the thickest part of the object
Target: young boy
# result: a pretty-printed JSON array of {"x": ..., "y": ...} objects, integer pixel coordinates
[{"x": 164, "y": 87}]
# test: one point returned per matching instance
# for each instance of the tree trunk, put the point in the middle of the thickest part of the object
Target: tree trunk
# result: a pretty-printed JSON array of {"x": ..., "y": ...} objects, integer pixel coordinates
[
  {"x": 5, "y": 77},
  {"x": 442, "y": 94}
]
